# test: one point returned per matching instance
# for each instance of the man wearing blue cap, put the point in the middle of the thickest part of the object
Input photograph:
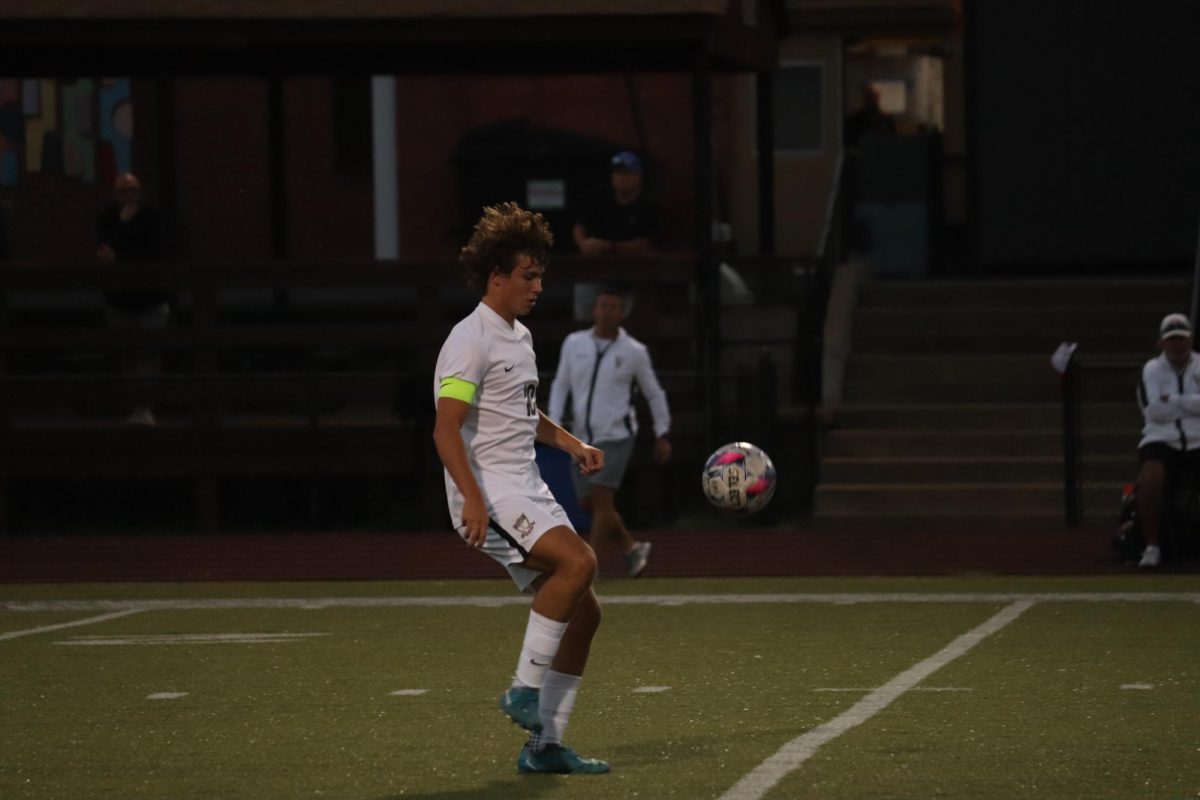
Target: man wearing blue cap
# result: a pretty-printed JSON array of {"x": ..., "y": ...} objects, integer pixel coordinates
[{"x": 616, "y": 219}]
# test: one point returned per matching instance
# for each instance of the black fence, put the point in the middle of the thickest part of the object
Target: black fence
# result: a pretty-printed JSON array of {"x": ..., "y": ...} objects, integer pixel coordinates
[
  {"x": 299, "y": 396},
  {"x": 307, "y": 451}
]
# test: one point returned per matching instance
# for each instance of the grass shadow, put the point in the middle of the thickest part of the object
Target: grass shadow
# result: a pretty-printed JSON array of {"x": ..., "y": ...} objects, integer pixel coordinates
[{"x": 523, "y": 786}]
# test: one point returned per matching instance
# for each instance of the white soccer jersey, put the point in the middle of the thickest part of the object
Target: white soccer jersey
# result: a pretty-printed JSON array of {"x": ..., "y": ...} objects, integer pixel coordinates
[
  {"x": 501, "y": 424},
  {"x": 599, "y": 376}
]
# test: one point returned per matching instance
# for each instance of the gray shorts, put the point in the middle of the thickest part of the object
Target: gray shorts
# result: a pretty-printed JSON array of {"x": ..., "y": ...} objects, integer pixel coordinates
[{"x": 616, "y": 460}]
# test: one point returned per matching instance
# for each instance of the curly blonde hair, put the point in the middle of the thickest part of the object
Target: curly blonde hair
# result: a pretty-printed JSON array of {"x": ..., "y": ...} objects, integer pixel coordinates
[{"x": 502, "y": 234}]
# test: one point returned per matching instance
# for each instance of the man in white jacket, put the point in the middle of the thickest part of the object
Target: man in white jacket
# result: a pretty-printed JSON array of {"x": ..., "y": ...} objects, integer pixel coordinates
[
  {"x": 1169, "y": 396},
  {"x": 598, "y": 369}
]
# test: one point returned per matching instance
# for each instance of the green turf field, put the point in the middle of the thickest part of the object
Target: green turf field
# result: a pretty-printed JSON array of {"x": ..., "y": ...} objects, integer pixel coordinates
[{"x": 779, "y": 688}]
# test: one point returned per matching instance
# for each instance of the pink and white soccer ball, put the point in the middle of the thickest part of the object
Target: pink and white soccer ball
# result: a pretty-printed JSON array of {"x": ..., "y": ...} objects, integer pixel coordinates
[{"x": 739, "y": 477}]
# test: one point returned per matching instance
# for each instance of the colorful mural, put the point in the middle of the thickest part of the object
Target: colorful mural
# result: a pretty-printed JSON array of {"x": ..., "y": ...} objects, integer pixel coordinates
[
  {"x": 65, "y": 127},
  {"x": 78, "y": 126},
  {"x": 12, "y": 131},
  {"x": 41, "y": 129},
  {"x": 116, "y": 128}
]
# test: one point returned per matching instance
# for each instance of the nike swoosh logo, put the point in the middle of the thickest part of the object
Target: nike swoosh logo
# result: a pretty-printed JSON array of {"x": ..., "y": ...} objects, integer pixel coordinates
[
  {"x": 509, "y": 367},
  {"x": 536, "y": 664}
]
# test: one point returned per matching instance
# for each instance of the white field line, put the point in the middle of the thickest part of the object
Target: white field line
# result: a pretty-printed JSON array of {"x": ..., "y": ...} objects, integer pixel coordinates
[
  {"x": 73, "y": 624},
  {"x": 863, "y": 690},
  {"x": 763, "y": 778},
  {"x": 316, "y": 603},
  {"x": 187, "y": 638}
]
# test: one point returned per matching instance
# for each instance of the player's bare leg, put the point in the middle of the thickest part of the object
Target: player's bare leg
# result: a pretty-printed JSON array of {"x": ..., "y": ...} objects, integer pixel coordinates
[{"x": 568, "y": 567}]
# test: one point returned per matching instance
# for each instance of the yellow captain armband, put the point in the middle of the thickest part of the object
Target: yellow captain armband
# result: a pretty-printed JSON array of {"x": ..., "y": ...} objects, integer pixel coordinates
[{"x": 457, "y": 389}]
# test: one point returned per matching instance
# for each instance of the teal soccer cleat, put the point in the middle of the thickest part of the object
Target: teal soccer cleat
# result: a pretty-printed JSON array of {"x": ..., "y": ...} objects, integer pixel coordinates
[
  {"x": 560, "y": 760},
  {"x": 520, "y": 704}
]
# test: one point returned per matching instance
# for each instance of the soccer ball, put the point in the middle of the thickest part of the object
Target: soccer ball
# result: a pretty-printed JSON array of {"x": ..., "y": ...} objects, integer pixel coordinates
[{"x": 739, "y": 477}]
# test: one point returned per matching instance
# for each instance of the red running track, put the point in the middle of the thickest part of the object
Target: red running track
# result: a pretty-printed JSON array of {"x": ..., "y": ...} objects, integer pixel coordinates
[{"x": 383, "y": 556}]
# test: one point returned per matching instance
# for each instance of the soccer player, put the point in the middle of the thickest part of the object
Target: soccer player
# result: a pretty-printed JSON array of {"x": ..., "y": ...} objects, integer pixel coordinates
[{"x": 485, "y": 385}]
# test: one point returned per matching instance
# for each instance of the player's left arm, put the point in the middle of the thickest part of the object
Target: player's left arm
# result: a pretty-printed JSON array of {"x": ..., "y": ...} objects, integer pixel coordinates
[
  {"x": 590, "y": 459},
  {"x": 656, "y": 398}
]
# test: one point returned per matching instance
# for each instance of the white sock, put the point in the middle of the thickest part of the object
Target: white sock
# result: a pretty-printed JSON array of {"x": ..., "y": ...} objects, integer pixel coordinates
[
  {"x": 542, "y": 636},
  {"x": 555, "y": 704}
]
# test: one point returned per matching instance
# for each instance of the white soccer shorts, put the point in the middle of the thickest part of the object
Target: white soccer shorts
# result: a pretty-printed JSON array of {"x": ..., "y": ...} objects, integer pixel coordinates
[{"x": 516, "y": 523}]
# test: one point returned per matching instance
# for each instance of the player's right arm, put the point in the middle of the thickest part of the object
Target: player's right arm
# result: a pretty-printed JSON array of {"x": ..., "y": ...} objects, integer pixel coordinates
[{"x": 447, "y": 438}]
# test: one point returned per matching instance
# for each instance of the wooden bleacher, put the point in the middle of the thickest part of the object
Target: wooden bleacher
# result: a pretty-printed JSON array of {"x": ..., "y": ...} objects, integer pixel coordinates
[{"x": 306, "y": 370}]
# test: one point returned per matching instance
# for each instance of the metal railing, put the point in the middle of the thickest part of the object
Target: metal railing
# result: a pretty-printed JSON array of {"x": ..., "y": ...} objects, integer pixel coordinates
[
  {"x": 314, "y": 428},
  {"x": 827, "y": 257},
  {"x": 398, "y": 340},
  {"x": 1100, "y": 430}
]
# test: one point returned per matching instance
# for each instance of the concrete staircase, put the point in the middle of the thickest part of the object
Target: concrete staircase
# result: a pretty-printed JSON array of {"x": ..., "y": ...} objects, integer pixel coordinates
[{"x": 952, "y": 413}]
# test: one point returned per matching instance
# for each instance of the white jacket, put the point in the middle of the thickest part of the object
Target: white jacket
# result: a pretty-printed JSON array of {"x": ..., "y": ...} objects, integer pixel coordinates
[
  {"x": 1170, "y": 402},
  {"x": 599, "y": 376}
]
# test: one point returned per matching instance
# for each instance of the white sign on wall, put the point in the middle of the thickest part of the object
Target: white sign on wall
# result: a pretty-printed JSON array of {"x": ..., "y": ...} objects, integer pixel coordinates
[{"x": 546, "y": 194}]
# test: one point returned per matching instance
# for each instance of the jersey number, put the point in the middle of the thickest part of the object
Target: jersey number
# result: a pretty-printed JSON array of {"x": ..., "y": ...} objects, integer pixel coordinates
[{"x": 531, "y": 399}]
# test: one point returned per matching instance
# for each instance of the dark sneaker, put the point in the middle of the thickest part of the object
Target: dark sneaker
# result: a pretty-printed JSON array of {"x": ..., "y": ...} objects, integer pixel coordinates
[
  {"x": 521, "y": 705},
  {"x": 560, "y": 760},
  {"x": 637, "y": 558}
]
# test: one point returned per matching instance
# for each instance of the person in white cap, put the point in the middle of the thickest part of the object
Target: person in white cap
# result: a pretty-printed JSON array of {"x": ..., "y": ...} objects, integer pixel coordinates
[{"x": 1169, "y": 396}]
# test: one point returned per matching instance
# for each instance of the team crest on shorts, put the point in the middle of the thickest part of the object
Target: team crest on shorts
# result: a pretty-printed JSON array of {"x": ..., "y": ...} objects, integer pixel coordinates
[{"x": 523, "y": 525}]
